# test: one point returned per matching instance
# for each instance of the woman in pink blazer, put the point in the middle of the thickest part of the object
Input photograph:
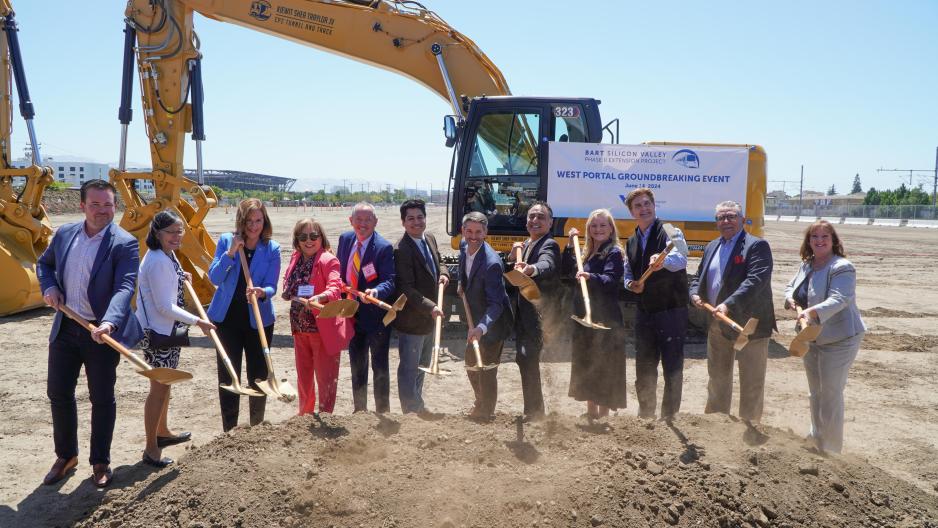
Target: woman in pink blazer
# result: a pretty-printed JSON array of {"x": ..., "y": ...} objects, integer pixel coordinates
[{"x": 313, "y": 273}]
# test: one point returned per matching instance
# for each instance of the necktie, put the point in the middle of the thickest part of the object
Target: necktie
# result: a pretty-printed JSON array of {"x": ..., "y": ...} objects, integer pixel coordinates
[
  {"x": 428, "y": 257},
  {"x": 355, "y": 268}
]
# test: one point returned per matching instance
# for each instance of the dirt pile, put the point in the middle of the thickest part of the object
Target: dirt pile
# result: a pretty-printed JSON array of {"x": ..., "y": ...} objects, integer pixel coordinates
[{"x": 446, "y": 471}]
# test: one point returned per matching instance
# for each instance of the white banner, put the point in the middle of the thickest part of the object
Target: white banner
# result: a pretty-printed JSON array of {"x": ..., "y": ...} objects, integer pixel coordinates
[{"x": 688, "y": 181}]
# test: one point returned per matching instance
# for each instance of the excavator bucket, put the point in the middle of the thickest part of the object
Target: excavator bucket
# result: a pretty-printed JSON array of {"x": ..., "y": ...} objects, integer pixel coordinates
[{"x": 25, "y": 232}]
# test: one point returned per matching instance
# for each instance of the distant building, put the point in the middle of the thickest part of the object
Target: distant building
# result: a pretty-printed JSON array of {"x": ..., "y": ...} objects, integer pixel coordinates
[
  {"x": 74, "y": 172},
  {"x": 774, "y": 198},
  {"x": 233, "y": 180}
]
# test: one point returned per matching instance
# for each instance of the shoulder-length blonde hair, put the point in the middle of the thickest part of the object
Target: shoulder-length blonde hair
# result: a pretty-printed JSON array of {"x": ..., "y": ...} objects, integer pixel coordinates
[
  {"x": 837, "y": 248},
  {"x": 302, "y": 224},
  {"x": 245, "y": 208},
  {"x": 588, "y": 249}
]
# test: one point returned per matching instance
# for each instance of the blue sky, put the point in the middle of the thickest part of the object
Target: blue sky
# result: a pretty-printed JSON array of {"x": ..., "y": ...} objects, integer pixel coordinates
[{"x": 841, "y": 87}]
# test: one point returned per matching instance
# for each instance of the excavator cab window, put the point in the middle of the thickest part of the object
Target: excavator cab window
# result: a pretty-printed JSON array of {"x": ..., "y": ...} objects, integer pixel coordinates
[
  {"x": 569, "y": 124},
  {"x": 503, "y": 178}
]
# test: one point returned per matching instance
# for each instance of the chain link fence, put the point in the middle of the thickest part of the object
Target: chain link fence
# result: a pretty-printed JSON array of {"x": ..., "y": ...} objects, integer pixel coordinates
[{"x": 902, "y": 212}]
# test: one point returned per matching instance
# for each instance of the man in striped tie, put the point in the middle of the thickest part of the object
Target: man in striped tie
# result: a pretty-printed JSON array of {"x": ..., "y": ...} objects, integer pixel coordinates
[{"x": 367, "y": 264}]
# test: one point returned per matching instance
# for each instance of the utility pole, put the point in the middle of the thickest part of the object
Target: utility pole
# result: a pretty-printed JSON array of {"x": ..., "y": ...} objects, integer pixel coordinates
[
  {"x": 910, "y": 171},
  {"x": 935, "y": 185},
  {"x": 801, "y": 192}
]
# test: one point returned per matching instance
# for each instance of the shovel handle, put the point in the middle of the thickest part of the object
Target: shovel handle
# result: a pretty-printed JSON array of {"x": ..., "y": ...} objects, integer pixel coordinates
[
  {"x": 475, "y": 344},
  {"x": 139, "y": 363},
  {"x": 438, "y": 330},
  {"x": 583, "y": 288},
  {"x": 369, "y": 298},
  {"x": 309, "y": 303},
  {"x": 257, "y": 309},
  {"x": 651, "y": 270},
  {"x": 517, "y": 252},
  {"x": 212, "y": 333},
  {"x": 721, "y": 316}
]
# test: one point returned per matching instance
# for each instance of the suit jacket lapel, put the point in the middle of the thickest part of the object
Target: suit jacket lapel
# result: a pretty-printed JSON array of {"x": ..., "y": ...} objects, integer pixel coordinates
[{"x": 419, "y": 256}]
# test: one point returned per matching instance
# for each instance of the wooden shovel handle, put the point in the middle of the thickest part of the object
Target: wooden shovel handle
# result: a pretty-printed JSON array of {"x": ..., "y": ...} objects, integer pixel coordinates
[
  {"x": 721, "y": 316},
  {"x": 651, "y": 270},
  {"x": 582, "y": 280},
  {"x": 370, "y": 298},
  {"x": 139, "y": 363},
  {"x": 438, "y": 330},
  {"x": 257, "y": 310}
]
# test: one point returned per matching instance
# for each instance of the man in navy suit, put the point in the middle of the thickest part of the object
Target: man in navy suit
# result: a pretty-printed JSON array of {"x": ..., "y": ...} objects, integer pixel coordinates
[
  {"x": 91, "y": 267},
  {"x": 367, "y": 264},
  {"x": 481, "y": 281},
  {"x": 735, "y": 277}
]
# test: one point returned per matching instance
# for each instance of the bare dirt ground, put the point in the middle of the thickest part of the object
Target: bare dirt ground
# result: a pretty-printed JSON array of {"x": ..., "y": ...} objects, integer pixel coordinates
[{"x": 365, "y": 470}]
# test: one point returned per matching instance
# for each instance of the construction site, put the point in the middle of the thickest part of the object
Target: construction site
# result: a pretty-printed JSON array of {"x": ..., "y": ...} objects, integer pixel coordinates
[{"x": 442, "y": 467}]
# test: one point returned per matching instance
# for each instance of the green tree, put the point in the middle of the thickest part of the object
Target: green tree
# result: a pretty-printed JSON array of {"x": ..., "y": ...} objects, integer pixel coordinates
[
  {"x": 857, "y": 187},
  {"x": 832, "y": 191}
]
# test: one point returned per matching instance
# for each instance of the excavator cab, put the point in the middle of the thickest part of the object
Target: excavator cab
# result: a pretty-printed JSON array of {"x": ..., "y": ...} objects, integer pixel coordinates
[{"x": 500, "y": 164}]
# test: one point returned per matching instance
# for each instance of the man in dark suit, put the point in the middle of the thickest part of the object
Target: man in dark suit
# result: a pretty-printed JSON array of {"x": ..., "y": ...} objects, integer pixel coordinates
[
  {"x": 481, "y": 281},
  {"x": 540, "y": 260},
  {"x": 735, "y": 277},
  {"x": 90, "y": 267},
  {"x": 367, "y": 264},
  {"x": 661, "y": 314},
  {"x": 418, "y": 276}
]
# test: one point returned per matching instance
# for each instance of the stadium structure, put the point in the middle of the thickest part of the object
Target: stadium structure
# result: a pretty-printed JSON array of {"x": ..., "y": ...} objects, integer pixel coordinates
[{"x": 233, "y": 180}]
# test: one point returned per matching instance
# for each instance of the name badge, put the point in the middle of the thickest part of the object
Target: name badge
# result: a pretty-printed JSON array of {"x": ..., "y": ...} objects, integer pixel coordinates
[
  {"x": 305, "y": 291},
  {"x": 369, "y": 271}
]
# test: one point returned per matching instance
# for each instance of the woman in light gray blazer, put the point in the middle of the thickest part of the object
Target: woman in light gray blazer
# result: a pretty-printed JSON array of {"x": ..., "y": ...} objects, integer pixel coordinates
[
  {"x": 825, "y": 287},
  {"x": 160, "y": 298}
]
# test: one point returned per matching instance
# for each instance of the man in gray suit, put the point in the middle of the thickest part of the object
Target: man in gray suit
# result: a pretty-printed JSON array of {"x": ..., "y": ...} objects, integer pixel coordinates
[
  {"x": 90, "y": 267},
  {"x": 735, "y": 277}
]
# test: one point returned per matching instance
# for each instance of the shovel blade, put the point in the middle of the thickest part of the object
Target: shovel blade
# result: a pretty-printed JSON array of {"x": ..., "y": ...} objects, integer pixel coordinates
[
  {"x": 741, "y": 342},
  {"x": 285, "y": 391},
  {"x": 265, "y": 387},
  {"x": 348, "y": 307},
  {"x": 809, "y": 333},
  {"x": 750, "y": 327},
  {"x": 798, "y": 348},
  {"x": 330, "y": 311},
  {"x": 237, "y": 389},
  {"x": 166, "y": 376},
  {"x": 530, "y": 292},
  {"x": 389, "y": 317},
  {"x": 399, "y": 303},
  {"x": 526, "y": 284},
  {"x": 589, "y": 324}
]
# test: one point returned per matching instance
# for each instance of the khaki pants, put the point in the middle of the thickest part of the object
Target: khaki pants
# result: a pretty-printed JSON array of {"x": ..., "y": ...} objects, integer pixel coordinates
[{"x": 752, "y": 361}]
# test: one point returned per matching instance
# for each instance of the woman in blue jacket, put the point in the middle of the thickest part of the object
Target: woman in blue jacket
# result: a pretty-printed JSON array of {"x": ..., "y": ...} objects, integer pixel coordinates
[{"x": 231, "y": 310}]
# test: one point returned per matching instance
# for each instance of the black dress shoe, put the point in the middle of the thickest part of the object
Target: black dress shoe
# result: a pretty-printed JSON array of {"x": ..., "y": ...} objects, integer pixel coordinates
[
  {"x": 163, "y": 441},
  {"x": 101, "y": 475},
  {"x": 61, "y": 468},
  {"x": 161, "y": 463}
]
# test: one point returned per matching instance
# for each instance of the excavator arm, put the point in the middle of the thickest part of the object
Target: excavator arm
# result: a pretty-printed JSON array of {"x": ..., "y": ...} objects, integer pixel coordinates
[
  {"x": 398, "y": 35},
  {"x": 25, "y": 229}
]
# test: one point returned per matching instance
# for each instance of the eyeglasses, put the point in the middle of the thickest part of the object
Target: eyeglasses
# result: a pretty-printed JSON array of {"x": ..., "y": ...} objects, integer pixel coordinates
[
  {"x": 727, "y": 217},
  {"x": 174, "y": 232},
  {"x": 303, "y": 237}
]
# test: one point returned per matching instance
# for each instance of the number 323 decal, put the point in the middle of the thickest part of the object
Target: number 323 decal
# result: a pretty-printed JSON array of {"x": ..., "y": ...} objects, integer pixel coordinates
[{"x": 567, "y": 111}]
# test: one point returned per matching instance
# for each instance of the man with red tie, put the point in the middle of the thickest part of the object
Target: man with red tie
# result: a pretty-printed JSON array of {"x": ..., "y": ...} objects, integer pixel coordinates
[{"x": 367, "y": 264}]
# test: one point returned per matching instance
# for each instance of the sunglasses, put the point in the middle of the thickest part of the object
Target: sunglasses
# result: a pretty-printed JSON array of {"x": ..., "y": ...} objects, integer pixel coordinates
[
  {"x": 729, "y": 217},
  {"x": 303, "y": 237}
]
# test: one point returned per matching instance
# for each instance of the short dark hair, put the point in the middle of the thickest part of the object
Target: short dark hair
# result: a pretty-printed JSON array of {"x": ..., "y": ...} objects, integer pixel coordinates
[
  {"x": 96, "y": 184},
  {"x": 641, "y": 191},
  {"x": 543, "y": 204},
  {"x": 416, "y": 203},
  {"x": 161, "y": 220}
]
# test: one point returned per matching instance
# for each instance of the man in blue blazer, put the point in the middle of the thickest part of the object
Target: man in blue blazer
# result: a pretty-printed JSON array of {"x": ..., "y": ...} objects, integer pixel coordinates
[
  {"x": 367, "y": 264},
  {"x": 91, "y": 267},
  {"x": 735, "y": 277},
  {"x": 481, "y": 281}
]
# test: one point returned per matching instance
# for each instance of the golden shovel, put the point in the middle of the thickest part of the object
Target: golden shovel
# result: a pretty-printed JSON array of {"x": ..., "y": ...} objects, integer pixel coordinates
[
  {"x": 235, "y": 386},
  {"x": 744, "y": 332},
  {"x": 587, "y": 320},
  {"x": 475, "y": 342},
  {"x": 164, "y": 375},
  {"x": 270, "y": 386},
  {"x": 525, "y": 284},
  {"x": 392, "y": 309},
  {"x": 330, "y": 310},
  {"x": 434, "y": 367},
  {"x": 674, "y": 242},
  {"x": 799, "y": 345}
]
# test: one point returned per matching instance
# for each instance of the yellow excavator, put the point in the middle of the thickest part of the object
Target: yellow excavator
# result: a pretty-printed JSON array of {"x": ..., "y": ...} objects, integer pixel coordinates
[
  {"x": 25, "y": 229},
  {"x": 500, "y": 141}
]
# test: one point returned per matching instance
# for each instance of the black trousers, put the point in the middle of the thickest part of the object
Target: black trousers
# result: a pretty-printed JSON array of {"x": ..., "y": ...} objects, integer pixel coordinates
[
  {"x": 242, "y": 341},
  {"x": 484, "y": 383},
  {"x": 375, "y": 344},
  {"x": 72, "y": 348},
  {"x": 659, "y": 337},
  {"x": 528, "y": 358}
]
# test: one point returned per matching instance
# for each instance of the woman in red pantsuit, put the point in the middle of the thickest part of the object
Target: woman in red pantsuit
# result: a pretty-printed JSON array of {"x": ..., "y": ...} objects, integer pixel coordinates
[{"x": 313, "y": 273}]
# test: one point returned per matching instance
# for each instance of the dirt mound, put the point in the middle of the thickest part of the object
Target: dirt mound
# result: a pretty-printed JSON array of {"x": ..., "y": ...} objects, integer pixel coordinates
[
  {"x": 900, "y": 342},
  {"x": 367, "y": 470}
]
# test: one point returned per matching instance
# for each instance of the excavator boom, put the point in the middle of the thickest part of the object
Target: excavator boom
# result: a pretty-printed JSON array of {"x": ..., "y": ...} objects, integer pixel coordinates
[
  {"x": 25, "y": 229},
  {"x": 397, "y": 35}
]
